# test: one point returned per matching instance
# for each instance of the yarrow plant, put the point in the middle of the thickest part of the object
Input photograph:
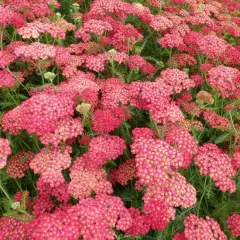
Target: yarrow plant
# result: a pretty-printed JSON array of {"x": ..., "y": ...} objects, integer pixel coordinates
[{"x": 119, "y": 119}]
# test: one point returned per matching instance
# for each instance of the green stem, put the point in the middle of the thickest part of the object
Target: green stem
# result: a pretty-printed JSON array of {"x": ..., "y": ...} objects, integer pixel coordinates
[{"x": 5, "y": 192}]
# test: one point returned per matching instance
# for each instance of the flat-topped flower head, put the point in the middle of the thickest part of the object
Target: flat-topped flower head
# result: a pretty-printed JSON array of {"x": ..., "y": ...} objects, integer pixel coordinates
[
  {"x": 233, "y": 224},
  {"x": 86, "y": 180},
  {"x": 19, "y": 163},
  {"x": 201, "y": 229},
  {"x": 125, "y": 172},
  {"x": 214, "y": 162},
  {"x": 50, "y": 163}
]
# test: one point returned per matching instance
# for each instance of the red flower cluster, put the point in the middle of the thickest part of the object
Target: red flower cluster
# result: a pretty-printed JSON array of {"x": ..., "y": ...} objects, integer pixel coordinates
[
  {"x": 105, "y": 121},
  {"x": 19, "y": 163},
  {"x": 125, "y": 172},
  {"x": 233, "y": 224},
  {"x": 154, "y": 215},
  {"x": 103, "y": 148}
]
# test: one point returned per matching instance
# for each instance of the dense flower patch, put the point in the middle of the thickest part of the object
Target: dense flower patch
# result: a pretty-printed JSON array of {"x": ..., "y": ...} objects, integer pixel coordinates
[{"x": 119, "y": 119}]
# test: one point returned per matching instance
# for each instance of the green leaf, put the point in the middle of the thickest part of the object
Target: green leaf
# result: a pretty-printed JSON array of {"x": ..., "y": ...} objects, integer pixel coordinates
[{"x": 222, "y": 138}]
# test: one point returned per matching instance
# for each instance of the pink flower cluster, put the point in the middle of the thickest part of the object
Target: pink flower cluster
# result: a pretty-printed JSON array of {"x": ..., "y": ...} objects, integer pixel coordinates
[
  {"x": 104, "y": 147},
  {"x": 5, "y": 151},
  {"x": 214, "y": 162},
  {"x": 6, "y": 57},
  {"x": 50, "y": 163},
  {"x": 236, "y": 159},
  {"x": 66, "y": 128},
  {"x": 212, "y": 46},
  {"x": 91, "y": 218},
  {"x": 6, "y": 79},
  {"x": 154, "y": 159},
  {"x": 154, "y": 215},
  {"x": 36, "y": 51},
  {"x": 79, "y": 84},
  {"x": 85, "y": 180},
  {"x": 41, "y": 26},
  {"x": 87, "y": 120},
  {"x": 198, "y": 228},
  {"x": 19, "y": 163},
  {"x": 215, "y": 120},
  {"x": 125, "y": 172},
  {"x": 180, "y": 60},
  {"x": 224, "y": 79},
  {"x": 175, "y": 192},
  {"x": 233, "y": 224},
  {"x": 11, "y": 228},
  {"x": 97, "y": 217},
  {"x": 156, "y": 163},
  {"x": 114, "y": 93},
  {"x": 93, "y": 26},
  {"x": 177, "y": 80},
  {"x": 96, "y": 62},
  {"x": 139, "y": 63},
  {"x": 49, "y": 226},
  {"x": 9, "y": 16},
  {"x": 32, "y": 10},
  {"x": 38, "y": 114},
  {"x": 105, "y": 121},
  {"x": 183, "y": 141}
]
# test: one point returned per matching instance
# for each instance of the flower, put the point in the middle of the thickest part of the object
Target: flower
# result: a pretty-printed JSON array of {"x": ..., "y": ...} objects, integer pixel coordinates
[
  {"x": 156, "y": 213},
  {"x": 125, "y": 172},
  {"x": 11, "y": 228},
  {"x": 114, "y": 93},
  {"x": 215, "y": 120},
  {"x": 223, "y": 79},
  {"x": 66, "y": 128},
  {"x": 36, "y": 51},
  {"x": 5, "y": 151},
  {"x": 233, "y": 224},
  {"x": 39, "y": 114},
  {"x": 105, "y": 147},
  {"x": 213, "y": 162},
  {"x": 6, "y": 79},
  {"x": 140, "y": 225},
  {"x": 19, "y": 163},
  {"x": 177, "y": 80},
  {"x": 175, "y": 192},
  {"x": 204, "y": 97},
  {"x": 198, "y": 228},
  {"x": 98, "y": 216},
  {"x": 107, "y": 120},
  {"x": 50, "y": 163},
  {"x": 41, "y": 26},
  {"x": 154, "y": 158},
  {"x": 86, "y": 180},
  {"x": 184, "y": 143}
]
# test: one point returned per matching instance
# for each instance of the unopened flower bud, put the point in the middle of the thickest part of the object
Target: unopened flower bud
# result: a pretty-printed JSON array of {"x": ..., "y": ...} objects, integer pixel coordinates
[
  {"x": 49, "y": 76},
  {"x": 15, "y": 205},
  {"x": 83, "y": 108}
]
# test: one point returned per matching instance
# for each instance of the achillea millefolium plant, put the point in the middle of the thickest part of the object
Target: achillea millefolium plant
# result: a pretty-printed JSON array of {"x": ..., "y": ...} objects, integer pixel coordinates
[{"x": 119, "y": 120}]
